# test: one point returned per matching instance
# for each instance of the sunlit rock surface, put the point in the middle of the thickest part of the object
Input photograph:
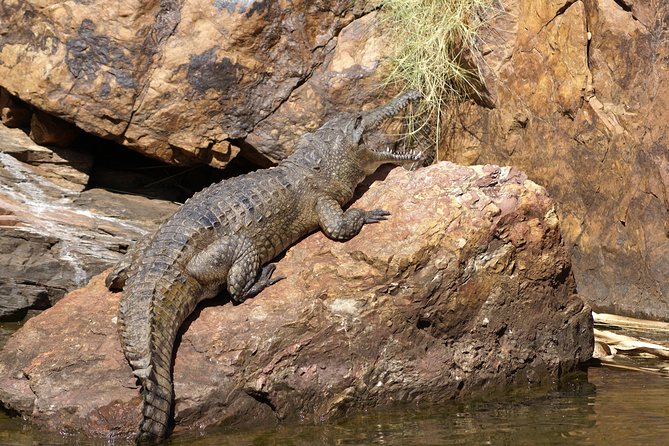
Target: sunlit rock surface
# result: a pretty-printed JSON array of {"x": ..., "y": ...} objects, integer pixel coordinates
[
  {"x": 579, "y": 99},
  {"x": 467, "y": 289},
  {"x": 181, "y": 81},
  {"x": 576, "y": 96}
]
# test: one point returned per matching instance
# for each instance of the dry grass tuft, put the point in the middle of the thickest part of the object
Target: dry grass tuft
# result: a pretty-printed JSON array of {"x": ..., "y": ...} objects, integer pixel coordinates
[{"x": 430, "y": 39}]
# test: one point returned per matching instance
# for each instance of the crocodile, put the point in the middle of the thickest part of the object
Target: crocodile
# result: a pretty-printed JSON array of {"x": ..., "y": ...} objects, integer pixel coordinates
[{"x": 224, "y": 237}]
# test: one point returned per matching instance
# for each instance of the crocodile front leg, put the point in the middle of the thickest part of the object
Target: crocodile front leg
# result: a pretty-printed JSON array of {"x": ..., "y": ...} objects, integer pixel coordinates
[
  {"x": 340, "y": 225},
  {"x": 235, "y": 261}
]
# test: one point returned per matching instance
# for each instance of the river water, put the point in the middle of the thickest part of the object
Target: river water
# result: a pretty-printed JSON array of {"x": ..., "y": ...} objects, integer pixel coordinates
[{"x": 601, "y": 406}]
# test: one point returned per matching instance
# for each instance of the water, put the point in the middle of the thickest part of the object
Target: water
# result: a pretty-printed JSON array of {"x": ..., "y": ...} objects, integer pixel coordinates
[{"x": 604, "y": 406}]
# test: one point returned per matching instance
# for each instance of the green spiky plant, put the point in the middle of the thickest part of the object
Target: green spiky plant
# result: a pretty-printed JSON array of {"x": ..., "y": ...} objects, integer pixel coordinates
[{"x": 430, "y": 39}]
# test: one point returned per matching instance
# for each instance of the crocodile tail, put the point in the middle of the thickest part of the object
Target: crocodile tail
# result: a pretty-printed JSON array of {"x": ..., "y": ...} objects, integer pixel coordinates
[
  {"x": 150, "y": 313},
  {"x": 158, "y": 397}
]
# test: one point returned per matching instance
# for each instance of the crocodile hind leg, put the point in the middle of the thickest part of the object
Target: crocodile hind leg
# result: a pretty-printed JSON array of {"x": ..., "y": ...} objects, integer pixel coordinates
[
  {"x": 235, "y": 261},
  {"x": 242, "y": 285}
]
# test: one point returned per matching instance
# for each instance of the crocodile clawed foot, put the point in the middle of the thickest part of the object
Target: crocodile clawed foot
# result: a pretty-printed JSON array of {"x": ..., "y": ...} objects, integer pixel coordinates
[
  {"x": 266, "y": 275},
  {"x": 263, "y": 280},
  {"x": 376, "y": 215}
]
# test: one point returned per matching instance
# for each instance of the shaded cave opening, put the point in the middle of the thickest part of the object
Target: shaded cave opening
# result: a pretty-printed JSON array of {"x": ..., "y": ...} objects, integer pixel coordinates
[
  {"x": 121, "y": 170},
  {"x": 108, "y": 164}
]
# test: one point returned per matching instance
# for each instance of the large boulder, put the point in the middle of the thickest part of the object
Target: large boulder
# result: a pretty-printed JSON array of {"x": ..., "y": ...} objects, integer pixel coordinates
[
  {"x": 54, "y": 236},
  {"x": 579, "y": 99},
  {"x": 466, "y": 290},
  {"x": 181, "y": 81}
]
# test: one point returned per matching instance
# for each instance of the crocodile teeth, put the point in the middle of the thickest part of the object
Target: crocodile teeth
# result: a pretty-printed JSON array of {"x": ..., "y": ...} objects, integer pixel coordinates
[{"x": 412, "y": 155}]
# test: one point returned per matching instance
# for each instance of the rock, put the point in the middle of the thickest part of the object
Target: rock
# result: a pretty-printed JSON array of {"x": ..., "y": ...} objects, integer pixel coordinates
[
  {"x": 579, "y": 94},
  {"x": 347, "y": 80},
  {"x": 51, "y": 131},
  {"x": 466, "y": 290},
  {"x": 576, "y": 96},
  {"x": 184, "y": 82},
  {"x": 68, "y": 168},
  {"x": 13, "y": 111},
  {"x": 54, "y": 238}
]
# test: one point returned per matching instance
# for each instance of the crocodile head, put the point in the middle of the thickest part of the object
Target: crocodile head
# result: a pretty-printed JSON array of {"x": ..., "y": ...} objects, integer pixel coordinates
[{"x": 352, "y": 128}]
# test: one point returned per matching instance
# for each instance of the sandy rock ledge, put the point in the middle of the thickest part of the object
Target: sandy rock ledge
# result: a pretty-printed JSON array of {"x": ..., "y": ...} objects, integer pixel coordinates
[{"x": 466, "y": 290}]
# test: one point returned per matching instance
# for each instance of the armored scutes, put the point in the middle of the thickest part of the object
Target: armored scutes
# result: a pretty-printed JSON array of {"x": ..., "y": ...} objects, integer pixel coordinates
[{"x": 225, "y": 235}]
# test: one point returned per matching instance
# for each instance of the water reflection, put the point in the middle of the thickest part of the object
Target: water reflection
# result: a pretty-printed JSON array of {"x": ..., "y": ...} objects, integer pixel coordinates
[{"x": 608, "y": 407}]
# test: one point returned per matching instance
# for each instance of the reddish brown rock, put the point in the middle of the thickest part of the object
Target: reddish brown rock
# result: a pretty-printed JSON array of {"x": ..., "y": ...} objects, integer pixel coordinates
[
  {"x": 348, "y": 79},
  {"x": 577, "y": 98},
  {"x": 466, "y": 290},
  {"x": 579, "y": 93},
  {"x": 48, "y": 130},
  {"x": 181, "y": 81}
]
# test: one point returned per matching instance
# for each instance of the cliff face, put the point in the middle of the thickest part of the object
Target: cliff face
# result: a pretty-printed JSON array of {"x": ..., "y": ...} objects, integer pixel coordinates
[{"x": 579, "y": 96}]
